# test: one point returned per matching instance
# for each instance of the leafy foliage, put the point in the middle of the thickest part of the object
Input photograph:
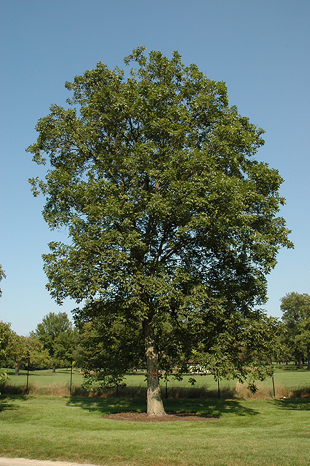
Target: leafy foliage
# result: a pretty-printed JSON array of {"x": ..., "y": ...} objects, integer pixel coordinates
[
  {"x": 296, "y": 320},
  {"x": 2, "y": 275},
  {"x": 56, "y": 334},
  {"x": 240, "y": 348},
  {"x": 39, "y": 357},
  {"x": 16, "y": 351},
  {"x": 173, "y": 223},
  {"x": 6, "y": 341},
  {"x": 108, "y": 349}
]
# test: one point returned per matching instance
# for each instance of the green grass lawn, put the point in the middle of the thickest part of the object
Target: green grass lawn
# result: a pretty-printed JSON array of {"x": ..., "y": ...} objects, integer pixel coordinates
[
  {"x": 244, "y": 432},
  {"x": 45, "y": 378}
]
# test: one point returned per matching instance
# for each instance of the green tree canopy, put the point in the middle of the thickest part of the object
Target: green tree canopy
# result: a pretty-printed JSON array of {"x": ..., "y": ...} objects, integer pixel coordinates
[
  {"x": 39, "y": 357},
  {"x": 173, "y": 223},
  {"x": 6, "y": 342},
  {"x": 296, "y": 319},
  {"x": 2, "y": 275},
  {"x": 55, "y": 332}
]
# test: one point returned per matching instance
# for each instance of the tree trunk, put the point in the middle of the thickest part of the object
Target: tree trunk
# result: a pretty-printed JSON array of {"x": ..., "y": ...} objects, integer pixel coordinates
[
  {"x": 18, "y": 365},
  {"x": 308, "y": 357},
  {"x": 155, "y": 405}
]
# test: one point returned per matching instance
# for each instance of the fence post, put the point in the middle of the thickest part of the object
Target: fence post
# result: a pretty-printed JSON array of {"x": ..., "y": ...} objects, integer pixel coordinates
[
  {"x": 71, "y": 376},
  {"x": 274, "y": 390},
  {"x": 28, "y": 364}
]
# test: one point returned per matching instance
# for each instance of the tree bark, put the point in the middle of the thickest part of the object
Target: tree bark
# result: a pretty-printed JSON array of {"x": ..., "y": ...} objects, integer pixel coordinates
[
  {"x": 155, "y": 405},
  {"x": 308, "y": 357},
  {"x": 18, "y": 365}
]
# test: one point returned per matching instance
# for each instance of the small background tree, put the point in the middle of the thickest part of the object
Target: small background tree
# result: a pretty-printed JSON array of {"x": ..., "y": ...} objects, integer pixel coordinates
[
  {"x": 56, "y": 334},
  {"x": 296, "y": 320},
  {"x": 6, "y": 342}
]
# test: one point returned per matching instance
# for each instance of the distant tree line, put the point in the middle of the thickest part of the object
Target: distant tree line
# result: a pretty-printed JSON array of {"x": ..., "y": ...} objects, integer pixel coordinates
[
  {"x": 101, "y": 349},
  {"x": 51, "y": 345},
  {"x": 294, "y": 338}
]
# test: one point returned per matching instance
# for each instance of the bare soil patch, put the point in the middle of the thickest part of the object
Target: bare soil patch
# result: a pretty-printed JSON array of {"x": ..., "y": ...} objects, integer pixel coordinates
[{"x": 143, "y": 417}]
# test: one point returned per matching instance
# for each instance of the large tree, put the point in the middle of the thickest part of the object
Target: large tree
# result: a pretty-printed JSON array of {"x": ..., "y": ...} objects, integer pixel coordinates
[
  {"x": 172, "y": 222},
  {"x": 296, "y": 318}
]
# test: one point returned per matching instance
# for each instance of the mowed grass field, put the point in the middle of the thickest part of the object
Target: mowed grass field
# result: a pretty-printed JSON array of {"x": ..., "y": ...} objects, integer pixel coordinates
[
  {"x": 241, "y": 430},
  {"x": 238, "y": 432}
]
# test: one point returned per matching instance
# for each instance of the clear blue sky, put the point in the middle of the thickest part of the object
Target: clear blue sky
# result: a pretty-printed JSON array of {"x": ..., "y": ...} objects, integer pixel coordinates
[{"x": 260, "y": 48}]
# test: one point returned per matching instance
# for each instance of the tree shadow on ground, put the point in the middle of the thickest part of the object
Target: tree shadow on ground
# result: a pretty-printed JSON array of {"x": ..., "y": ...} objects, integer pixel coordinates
[
  {"x": 207, "y": 407},
  {"x": 14, "y": 390},
  {"x": 7, "y": 402},
  {"x": 293, "y": 404},
  {"x": 108, "y": 405}
]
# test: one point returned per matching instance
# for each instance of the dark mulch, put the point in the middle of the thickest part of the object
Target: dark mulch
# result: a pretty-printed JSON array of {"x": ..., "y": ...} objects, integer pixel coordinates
[{"x": 143, "y": 417}]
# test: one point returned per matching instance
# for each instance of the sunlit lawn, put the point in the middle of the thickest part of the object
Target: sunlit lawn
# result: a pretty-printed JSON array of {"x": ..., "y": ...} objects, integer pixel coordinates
[{"x": 243, "y": 432}]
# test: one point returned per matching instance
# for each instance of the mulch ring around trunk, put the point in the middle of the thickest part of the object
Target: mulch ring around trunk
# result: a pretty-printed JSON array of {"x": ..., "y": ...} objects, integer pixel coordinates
[{"x": 143, "y": 417}]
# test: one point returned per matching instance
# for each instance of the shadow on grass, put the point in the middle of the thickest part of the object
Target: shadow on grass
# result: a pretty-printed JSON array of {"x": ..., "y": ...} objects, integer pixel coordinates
[
  {"x": 207, "y": 408},
  {"x": 18, "y": 390},
  {"x": 109, "y": 405},
  {"x": 293, "y": 404},
  {"x": 6, "y": 402}
]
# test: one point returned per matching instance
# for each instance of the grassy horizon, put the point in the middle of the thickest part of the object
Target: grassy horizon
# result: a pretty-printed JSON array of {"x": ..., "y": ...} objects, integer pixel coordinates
[{"x": 289, "y": 382}]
